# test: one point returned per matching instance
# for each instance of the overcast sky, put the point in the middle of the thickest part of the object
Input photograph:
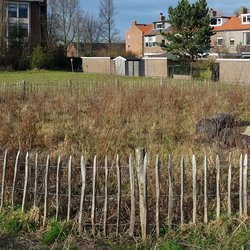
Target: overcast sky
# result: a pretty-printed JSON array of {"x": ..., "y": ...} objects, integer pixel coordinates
[{"x": 147, "y": 11}]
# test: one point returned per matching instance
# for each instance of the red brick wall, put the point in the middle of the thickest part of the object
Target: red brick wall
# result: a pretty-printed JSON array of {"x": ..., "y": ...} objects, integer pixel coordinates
[{"x": 134, "y": 40}]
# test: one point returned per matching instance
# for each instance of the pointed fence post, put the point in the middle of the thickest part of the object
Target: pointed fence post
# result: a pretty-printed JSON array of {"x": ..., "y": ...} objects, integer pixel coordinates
[
  {"x": 69, "y": 187},
  {"x": 26, "y": 176},
  {"x": 218, "y": 187},
  {"x": 194, "y": 189},
  {"x": 157, "y": 191},
  {"x": 132, "y": 192},
  {"x": 245, "y": 185},
  {"x": 58, "y": 170},
  {"x": 229, "y": 186},
  {"x": 14, "y": 180},
  {"x": 240, "y": 186},
  {"x": 105, "y": 209},
  {"x": 182, "y": 191},
  {"x": 141, "y": 165},
  {"x": 46, "y": 180},
  {"x": 83, "y": 174},
  {"x": 93, "y": 208},
  {"x": 3, "y": 179},
  {"x": 205, "y": 191},
  {"x": 170, "y": 193}
]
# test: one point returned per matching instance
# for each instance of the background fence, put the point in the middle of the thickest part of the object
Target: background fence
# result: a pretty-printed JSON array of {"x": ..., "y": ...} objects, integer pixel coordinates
[{"x": 137, "y": 196}]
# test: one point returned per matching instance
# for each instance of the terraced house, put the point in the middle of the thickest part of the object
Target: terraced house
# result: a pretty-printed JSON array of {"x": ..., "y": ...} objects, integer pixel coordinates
[
  {"x": 232, "y": 33},
  {"x": 28, "y": 17}
]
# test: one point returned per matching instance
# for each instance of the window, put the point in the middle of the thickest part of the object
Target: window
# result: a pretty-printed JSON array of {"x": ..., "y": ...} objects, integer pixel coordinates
[
  {"x": 12, "y": 10},
  {"x": 23, "y": 10},
  {"x": 246, "y": 38},
  {"x": 215, "y": 21},
  {"x": 219, "y": 41},
  {"x": 245, "y": 18},
  {"x": 159, "y": 26},
  {"x": 231, "y": 41},
  {"x": 150, "y": 41},
  {"x": 24, "y": 29},
  {"x": 12, "y": 29},
  {"x": 16, "y": 10}
]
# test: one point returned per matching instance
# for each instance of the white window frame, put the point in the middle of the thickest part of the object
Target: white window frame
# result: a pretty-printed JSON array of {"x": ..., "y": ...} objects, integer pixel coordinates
[
  {"x": 150, "y": 41},
  {"x": 218, "y": 22},
  {"x": 18, "y": 20},
  {"x": 244, "y": 38},
  {"x": 231, "y": 39},
  {"x": 245, "y": 18}
]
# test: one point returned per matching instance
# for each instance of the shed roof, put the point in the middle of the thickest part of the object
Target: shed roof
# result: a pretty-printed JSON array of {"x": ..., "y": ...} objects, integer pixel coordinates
[{"x": 128, "y": 58}]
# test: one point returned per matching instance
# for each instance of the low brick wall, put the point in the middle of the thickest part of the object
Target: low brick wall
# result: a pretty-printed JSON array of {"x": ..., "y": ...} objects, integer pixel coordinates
[
  {"x": 234, "y": 70},
  {"x": 156, "y": 66},
  {"x": 102, "y": 65}
]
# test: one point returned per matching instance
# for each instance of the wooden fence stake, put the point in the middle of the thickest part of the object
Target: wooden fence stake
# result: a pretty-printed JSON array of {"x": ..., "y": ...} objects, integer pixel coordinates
[
  {"x": 218, "y": 187},
  {"x": 46, "y": 180},
  {"x": 132, "y": 192},
  {"x": 182, "y": 191},
  {"x": 105, "y": 209},
  {"x": 93, "y": 196},
  {"x": 35, "y": 184},
  {"x": 205, "y": 191},
  {"x": 240, "y": 186},
  {"x": 229, "y": 185},
  {"x": 69, "y": 187},
  {"x": 14, "y": 180},
  {"x": 157, "y": 191},
  {"x": 170, "y": 193},
  {"x": 141, "y": 166},
  {"x": 25, "y": 181},
  {"x": 194, "y": 189},
  {"x": 58, "y": 177},
  {"x": 245, "y": 185},
  {"x": 3, "y": 179},
  {"x": 83, "y": 174},
  {"x": 118, "y": 194}
]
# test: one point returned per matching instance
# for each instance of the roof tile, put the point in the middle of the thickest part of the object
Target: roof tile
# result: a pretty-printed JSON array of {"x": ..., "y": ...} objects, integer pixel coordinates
[
  {"x": 233, "y": 23},
  {"x": 145, "y": 28}
]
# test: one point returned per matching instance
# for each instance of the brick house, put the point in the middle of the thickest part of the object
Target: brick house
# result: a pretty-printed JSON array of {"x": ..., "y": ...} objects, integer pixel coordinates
[
  {"x": 134, "y": 41},
  {"x": 232, "y": 34},
  {"x": 29, "y": 16},
  {"x": 144, "y": 39}
]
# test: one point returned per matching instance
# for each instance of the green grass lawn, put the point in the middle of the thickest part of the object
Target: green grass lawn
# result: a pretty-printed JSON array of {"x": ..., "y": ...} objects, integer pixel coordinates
[{"x": 45, "y": 76}]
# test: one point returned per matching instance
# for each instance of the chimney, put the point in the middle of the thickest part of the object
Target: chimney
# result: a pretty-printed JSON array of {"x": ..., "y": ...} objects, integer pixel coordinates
[
  {"x": 212, "y": 13},
  {"x": 242, "y": 10},
  {"x": 134, "y": 23},
  {"x": 161, "y": 18}
]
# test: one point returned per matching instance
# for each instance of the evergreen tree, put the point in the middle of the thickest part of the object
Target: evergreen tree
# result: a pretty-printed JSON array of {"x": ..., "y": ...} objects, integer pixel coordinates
[{"x": 190, "y": 34}]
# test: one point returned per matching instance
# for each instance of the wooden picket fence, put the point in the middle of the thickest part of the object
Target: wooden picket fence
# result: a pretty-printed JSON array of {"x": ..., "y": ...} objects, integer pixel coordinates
[{"x": 137, "y": 196}]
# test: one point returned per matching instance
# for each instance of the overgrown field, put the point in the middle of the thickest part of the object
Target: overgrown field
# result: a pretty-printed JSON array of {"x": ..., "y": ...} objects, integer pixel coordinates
[
  {"x": 77, "y": 114},
  {"x": 106, "y": 115}
]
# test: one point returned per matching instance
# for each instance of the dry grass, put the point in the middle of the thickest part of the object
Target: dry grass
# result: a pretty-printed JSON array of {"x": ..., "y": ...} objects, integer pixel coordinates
[{"x": 104, "y": 118}]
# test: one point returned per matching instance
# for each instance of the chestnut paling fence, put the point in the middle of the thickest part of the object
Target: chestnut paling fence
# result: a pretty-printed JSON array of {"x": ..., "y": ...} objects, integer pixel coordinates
[{"x": 137, "y": 196}]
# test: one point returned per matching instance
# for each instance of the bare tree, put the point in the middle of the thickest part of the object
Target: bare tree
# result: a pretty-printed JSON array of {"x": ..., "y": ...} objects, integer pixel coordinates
[
  {"x": 62, "y": 17},
  {"x": 106, "y": 15},
  {"x": 92, "y": 30}
]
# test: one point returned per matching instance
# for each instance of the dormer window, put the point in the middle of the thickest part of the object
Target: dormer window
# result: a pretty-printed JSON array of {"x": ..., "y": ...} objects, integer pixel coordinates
[
  {"x": 159, "y": 26},
  {"x": 245, "y": 18},
  {"x": 216, "y": 21}
]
